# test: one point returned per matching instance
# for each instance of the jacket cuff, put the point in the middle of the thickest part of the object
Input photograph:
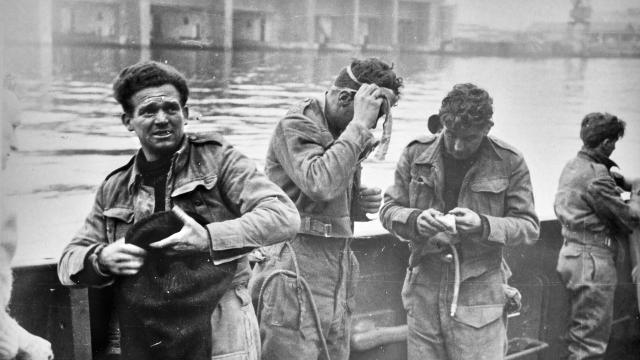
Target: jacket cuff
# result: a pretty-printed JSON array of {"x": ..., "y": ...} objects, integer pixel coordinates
[
  {"x": 359, "y": 134},
  {"x": 483, "y": 236},
  {"x": 91, "y": 273},
  {"x": 493, "y": 234},
  {"x": 225, "y": 239},
  {"x": 408, "y": 228}
]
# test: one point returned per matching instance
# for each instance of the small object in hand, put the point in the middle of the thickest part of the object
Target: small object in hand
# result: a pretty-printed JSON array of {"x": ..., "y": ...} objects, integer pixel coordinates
[{"x": 449, "y": 220}]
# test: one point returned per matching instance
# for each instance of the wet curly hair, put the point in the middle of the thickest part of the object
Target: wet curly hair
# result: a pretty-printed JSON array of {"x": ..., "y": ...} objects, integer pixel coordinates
[
  {"x": 597, "y": 127},
  {"x": 370, "y": 71},
  {"x": 147, "y": 74},
  {"x": 466, "y": 106}
]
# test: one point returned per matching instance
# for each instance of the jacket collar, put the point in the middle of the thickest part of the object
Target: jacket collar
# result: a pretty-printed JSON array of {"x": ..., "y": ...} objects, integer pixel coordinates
[
  {"x": 597, "y": 157},
  {"x": 178, "y": 162},
  {"x": 432, "y": 154}
]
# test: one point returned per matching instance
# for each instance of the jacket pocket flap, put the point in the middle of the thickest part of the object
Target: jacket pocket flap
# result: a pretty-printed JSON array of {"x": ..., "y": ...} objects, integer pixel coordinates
[
  {"x": 476, "y": 268},
  {"x": 123, "y": 214},
  {"x": 479, "y": 316},
  {"x": 490, "y": 185},
  {"x": 208, "y": 182}
]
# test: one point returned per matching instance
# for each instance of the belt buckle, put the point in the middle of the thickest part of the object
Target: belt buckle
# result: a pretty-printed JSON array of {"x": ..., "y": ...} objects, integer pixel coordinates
[{"x": 327, "y": 230}]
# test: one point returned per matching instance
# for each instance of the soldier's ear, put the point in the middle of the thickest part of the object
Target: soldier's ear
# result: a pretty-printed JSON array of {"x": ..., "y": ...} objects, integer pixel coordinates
[
  {"x": 185, "y": 113},
  {"x": 345, "y": 98},
  {"x": 488, "y": 128},
  {"x": 126, "y": 121}
]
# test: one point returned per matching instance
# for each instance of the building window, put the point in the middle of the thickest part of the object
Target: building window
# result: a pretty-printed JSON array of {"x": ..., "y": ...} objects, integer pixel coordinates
[
  {"x": 185, "y": 20},
  {"x": 100, "y": 17}
]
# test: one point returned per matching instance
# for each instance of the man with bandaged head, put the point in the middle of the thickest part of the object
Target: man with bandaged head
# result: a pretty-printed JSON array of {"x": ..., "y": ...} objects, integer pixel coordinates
[
  {"x": 305, "y": 288},
  {"x": 593, "y": 217},
  {"x": 458, "y": 198},
  {"x": 165, "y": 226}
]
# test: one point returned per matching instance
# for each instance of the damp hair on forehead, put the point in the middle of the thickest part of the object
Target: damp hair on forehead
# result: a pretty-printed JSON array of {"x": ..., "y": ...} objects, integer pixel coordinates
[
  {"x": 466, "y": 106},
  {"x": 147, "y": 74}
]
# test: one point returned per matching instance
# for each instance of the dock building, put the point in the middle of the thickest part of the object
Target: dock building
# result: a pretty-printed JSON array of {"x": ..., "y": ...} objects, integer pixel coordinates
[{"x": 421, "y": 25}]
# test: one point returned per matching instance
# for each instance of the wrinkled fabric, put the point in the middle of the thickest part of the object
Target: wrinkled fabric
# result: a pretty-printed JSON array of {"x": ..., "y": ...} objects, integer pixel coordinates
[
  {"x": 208, "y": 177},
  {"x": 590, "y": 276},
  {"x": 592, "y": 215},
  {"x": 288, "y": 326},
  {"x": 588, "y": 199},
  {"x": 242, "y": 208},
  {"x": 234, "y": 327},
  {"x": 321, "y": 174},
  {"x": 498, "y": 188},
  {"x": 478, "y": 331}
]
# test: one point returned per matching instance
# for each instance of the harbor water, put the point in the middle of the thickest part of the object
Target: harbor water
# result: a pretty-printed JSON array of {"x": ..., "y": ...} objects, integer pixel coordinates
[{"x": 71, "y": 136}]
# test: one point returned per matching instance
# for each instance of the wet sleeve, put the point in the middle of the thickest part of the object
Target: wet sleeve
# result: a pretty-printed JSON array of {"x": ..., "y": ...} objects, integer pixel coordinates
[
  {"x": 266, "y": 215},
  {"x": 520, "y": 222},
  {"x": 395, "y": 214},
  {"x": 604, "y": 197},
  {"x": 321, "y": 173},
  {"x": 77, "y": 266}
]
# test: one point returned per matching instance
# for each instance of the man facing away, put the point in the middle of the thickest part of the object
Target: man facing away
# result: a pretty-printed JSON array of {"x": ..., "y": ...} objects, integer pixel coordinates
[
  {"x": 315, "y": 155},
  {"x": 592, "y": 214},
  {"x": 455, "y": 288},
  {"x": 200, "y": 174}
]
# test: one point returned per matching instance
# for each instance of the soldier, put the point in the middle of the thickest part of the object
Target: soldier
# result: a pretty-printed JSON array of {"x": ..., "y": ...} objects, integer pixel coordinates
[
  {"x": 458, "y": 198},
  {"x": 593, "y": 216},
  {"x": 315, "y": 155},
  {"x": 202, "y": 174}
]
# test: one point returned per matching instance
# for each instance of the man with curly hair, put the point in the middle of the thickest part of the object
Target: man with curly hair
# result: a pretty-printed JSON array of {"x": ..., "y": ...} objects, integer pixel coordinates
[
  {"x": 306, "y": 286},
  {"x": 234, "y": 208},
  {"x": 593, "y": 216},
  {"x": 458, "y": 198}
]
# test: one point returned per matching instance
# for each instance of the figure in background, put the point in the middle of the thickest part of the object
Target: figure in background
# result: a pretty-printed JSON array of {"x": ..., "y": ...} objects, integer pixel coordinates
[
  {"x": 11, "y": 117},
  {"x": 458, "y": 198},
  {"x": 14, "y": 340},
  {"x": 305, "y": 288},
  {"x": 202, "y": 174},
  {"x": 593, "y": 215}
]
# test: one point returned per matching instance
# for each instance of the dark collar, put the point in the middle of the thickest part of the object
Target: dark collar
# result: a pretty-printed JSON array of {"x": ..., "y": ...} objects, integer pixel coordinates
[
  {"x": 597, "y": 157},
  {"x": 178, "y": 161}
]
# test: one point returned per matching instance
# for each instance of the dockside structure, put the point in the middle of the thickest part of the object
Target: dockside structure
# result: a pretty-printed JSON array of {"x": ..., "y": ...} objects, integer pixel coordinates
[{"x": 421, "y": 25}]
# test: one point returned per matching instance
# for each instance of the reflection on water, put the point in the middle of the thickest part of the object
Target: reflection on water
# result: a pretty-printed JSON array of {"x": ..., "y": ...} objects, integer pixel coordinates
[{"x": 72, "y": 137}]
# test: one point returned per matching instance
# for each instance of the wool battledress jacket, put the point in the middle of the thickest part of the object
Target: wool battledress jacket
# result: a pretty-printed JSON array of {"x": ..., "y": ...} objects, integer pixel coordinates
[
  {"x": 497, "y": 187},
  {"x": 207, "y": 176}
]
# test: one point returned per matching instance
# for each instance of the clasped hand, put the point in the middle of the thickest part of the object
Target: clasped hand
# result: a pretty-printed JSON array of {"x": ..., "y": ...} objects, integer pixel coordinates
[
  {"x": 370, "y": 199},
  {"x": 120, "y": 258},
  {"x": 467, "y": 222}
]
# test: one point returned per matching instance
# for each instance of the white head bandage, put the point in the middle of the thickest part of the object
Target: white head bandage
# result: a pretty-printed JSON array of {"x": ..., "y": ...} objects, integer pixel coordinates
[{"x": 353, "y": 77}]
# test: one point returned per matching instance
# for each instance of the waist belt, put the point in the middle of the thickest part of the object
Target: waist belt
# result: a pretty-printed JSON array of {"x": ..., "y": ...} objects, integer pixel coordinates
[
  {"x": 325, "y": 226},
  {"x": 602, "y": 240}
]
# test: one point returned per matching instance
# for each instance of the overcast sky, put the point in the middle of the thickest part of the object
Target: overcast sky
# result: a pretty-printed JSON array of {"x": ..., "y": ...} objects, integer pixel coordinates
[{"x": 518, "y": 14}]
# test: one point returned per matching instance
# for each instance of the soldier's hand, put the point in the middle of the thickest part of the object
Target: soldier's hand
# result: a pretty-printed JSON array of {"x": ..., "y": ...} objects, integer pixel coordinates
[
  {"x": 119, "y": 258},
  {"x": 366, "y": 105},
  {"x": 192, "y": 237},
  {"x": 370, "y": 199},
  {"x": 427, "y": 223},
  {"x": 467, "y": 221}
]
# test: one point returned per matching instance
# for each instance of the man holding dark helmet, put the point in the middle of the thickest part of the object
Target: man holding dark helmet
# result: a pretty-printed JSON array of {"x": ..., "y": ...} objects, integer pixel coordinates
[{"x": 192, "y": 173}]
